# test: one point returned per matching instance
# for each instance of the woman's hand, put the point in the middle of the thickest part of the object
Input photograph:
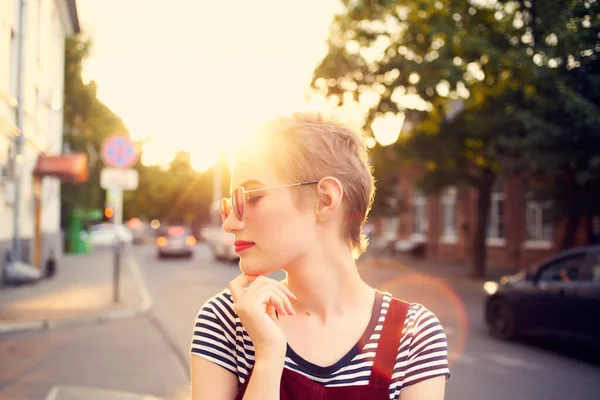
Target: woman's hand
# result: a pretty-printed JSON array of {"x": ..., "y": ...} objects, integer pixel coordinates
[{"x": 258, "y": 306}]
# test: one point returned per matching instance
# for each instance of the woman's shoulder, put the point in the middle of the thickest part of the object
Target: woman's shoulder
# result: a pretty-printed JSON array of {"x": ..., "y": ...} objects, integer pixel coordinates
[
  {"x": 224, "y": 296},
  {"x": 215, "y": 333},
  {"x": 423, "y": 349},
  {"x": 217, "y": 320},
  {"x": 417, "y": 317},
  {"x": 414, "y": 310},
  {"x": 221, "y": 306}
]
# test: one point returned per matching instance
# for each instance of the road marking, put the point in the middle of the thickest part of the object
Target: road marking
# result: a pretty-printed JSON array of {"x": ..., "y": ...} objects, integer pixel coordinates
[
  {"x": 66, "y": 392},
  {"x": 514, "y": 362},
  {"x": 463, "y": 359},
  {"x": 53, "y": 393},
  {"x": 21, "y": 326}
]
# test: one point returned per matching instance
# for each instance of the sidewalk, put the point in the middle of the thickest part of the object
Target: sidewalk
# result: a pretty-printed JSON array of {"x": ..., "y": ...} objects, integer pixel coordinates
[
  {"x": 56, "y": 342},
  {"x": 451, "y": 272},
  {"x": 125, "y": 359},
  {"x": 81, "y": 291}
]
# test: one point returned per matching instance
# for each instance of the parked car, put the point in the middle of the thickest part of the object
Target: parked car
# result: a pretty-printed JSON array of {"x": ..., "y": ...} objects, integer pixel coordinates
[
  {"x": 221, "y": 243},
  {"x": 175, "y": 241},
  {"x": 558, "y": 297},
  {"x": 106, "y": 235},
  {"x": 140, "y": 230}
]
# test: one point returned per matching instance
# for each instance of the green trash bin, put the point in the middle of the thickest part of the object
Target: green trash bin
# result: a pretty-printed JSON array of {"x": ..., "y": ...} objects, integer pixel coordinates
[{"x": 77, "y": 238}]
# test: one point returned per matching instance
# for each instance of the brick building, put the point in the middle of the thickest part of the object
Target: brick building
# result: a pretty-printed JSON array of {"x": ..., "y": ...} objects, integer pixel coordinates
[{"x": 520, "y": 231}]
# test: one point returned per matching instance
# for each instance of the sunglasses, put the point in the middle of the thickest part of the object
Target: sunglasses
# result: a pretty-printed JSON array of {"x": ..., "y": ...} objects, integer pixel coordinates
[{"x": 239, "y": 198}]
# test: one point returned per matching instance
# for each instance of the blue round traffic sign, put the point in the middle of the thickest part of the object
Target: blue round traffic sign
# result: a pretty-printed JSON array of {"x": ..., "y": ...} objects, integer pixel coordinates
[{"x": 118, "y": 151}]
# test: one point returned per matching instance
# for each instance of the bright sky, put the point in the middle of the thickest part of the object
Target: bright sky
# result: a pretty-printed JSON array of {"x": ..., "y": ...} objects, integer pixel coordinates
[{"x": 196, "y": 74}]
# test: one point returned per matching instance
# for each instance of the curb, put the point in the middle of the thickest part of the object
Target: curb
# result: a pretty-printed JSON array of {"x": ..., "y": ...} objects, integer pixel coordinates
[
  {"x": 449, "y": 276},
  {"x": 106, "y": 316},
  {"x": 69, "y": 392}
]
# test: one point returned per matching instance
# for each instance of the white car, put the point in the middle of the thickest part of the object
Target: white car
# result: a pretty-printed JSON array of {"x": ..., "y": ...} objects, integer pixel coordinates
[
  {"x": 106, "y": 235},
  {"x": 221, "y": 243},
  {"x": 175, "y": 241}
]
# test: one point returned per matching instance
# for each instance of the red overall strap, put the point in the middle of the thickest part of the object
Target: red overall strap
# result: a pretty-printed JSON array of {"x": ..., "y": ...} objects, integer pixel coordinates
[{"x": 389, "y": 342}]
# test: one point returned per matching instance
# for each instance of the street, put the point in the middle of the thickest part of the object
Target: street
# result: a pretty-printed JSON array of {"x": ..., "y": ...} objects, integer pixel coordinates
[
  {"x": 457, "y": 136},
  {"x": 149, "y": 354},
  {"x": 482, "y": 368}
]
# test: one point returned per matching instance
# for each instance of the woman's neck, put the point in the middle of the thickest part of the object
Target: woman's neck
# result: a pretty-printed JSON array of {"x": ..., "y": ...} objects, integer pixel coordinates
[{"x": 328, "y": 285}]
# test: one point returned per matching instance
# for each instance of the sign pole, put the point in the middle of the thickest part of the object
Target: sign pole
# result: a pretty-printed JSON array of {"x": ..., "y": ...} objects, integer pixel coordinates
[
  {"x": 119, "y": 155},
  {"x": 117, "y": 222}
]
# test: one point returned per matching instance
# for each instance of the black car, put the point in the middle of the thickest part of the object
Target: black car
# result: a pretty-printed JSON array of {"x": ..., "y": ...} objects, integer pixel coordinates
[{"x": 559, "y": 297}]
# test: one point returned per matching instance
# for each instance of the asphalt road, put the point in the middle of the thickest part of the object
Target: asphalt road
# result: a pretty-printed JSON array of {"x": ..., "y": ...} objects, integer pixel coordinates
[
  {"x": 482, "y": 367},
  {"x": 150, "y": 354}
]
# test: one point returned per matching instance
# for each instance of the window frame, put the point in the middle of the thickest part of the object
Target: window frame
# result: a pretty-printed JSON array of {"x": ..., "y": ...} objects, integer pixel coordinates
[
  {"x": 495, "y": 221},
  {"x": 448, "y": 201},
  {"x": 419, "y": 225},
  {"x": 538, "y": 208}
]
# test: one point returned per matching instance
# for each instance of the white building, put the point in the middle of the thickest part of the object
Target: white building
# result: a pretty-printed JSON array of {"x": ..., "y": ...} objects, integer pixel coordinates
[{"x": 48, "y": 23}]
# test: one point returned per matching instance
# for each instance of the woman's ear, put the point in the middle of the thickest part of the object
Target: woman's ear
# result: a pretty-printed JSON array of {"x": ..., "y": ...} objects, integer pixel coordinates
[{"x": 330, "y": 194}]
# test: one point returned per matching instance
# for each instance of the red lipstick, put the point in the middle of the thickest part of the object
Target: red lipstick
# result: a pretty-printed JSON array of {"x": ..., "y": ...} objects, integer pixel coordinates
[{"x": 241, "y": 245}]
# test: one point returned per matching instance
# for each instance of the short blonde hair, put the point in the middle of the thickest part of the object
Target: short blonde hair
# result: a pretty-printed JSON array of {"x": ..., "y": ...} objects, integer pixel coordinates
[{"x": 307, "y": 146}]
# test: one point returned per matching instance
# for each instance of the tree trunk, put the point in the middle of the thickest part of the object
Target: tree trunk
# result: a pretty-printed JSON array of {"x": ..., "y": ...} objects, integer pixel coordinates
[
  {"x": 484, "y": 194},
  {"x": 594, "y": 230},
  {"x": 571, "y": 228}
]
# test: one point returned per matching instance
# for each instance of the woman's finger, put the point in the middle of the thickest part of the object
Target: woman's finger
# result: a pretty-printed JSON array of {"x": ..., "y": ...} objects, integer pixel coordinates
[
  {"x": 271, "y": 313},
  {"x": 262, "y": 281},
  {"x": 237, "y": 287},
  {"x": 276, "y": 301},
  {"x": 286, "y": 290},
  {"x": 269, "y": 297},
  {"x": 286, "y": 300},
  {"x": 258, "y": 282}
]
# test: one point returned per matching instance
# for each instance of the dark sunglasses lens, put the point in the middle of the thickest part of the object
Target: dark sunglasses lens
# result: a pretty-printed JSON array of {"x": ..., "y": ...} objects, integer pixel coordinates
[{"x": 238, "y": 203}]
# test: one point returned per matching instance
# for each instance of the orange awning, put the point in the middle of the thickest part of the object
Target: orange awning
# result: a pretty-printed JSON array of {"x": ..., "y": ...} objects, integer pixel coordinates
[{"x": 67, "y": 167}]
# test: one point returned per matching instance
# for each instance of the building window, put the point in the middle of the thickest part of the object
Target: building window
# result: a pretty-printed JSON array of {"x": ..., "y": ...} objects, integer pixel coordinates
[
  {"x": 539, "y": 223},
  {"x": 391, "y": 228},
  {"x": 495, "y": 228},
  {"x": 419, "y": 212},
  {"x": 448, "y": 208}
]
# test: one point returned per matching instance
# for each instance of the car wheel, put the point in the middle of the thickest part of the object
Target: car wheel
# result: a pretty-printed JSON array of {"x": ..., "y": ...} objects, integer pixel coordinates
[{"x": 501, "y": 320}]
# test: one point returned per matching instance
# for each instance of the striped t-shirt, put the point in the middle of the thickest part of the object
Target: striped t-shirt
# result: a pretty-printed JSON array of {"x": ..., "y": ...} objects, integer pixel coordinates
[{"x": 422, "y": 353}]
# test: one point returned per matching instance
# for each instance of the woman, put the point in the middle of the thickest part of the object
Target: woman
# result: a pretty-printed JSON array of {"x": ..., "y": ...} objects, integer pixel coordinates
[{"x": 300, "y": 196}]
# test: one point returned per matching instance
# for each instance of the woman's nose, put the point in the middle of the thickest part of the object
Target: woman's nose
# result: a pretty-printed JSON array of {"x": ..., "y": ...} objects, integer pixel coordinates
[{"x": 231, "y": 224}]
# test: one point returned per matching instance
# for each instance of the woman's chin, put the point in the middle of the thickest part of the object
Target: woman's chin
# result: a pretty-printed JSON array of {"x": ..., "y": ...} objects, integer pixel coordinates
[{"x": 253, "y": 268}]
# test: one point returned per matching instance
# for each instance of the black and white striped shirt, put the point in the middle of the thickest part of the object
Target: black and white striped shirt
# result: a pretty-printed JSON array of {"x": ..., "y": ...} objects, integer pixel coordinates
[{"x": 422, "y": 354}]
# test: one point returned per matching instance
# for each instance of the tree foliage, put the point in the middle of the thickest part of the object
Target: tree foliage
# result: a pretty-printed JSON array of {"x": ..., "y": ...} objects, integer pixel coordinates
[
  {"x": 490, "y": 87},
  {"x": 176, "y": 194},
  {"x": 87, "y": 123}
]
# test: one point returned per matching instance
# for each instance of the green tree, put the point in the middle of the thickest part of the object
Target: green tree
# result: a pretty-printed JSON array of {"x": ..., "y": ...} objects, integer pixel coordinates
[
  {"x": 566, "y": 38},
  {"x": 87, "y": 123},
  {"x": 175, "y": 195},
  {"x": 475, "y": 68},
  {"x": 178, "y": 194}
]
